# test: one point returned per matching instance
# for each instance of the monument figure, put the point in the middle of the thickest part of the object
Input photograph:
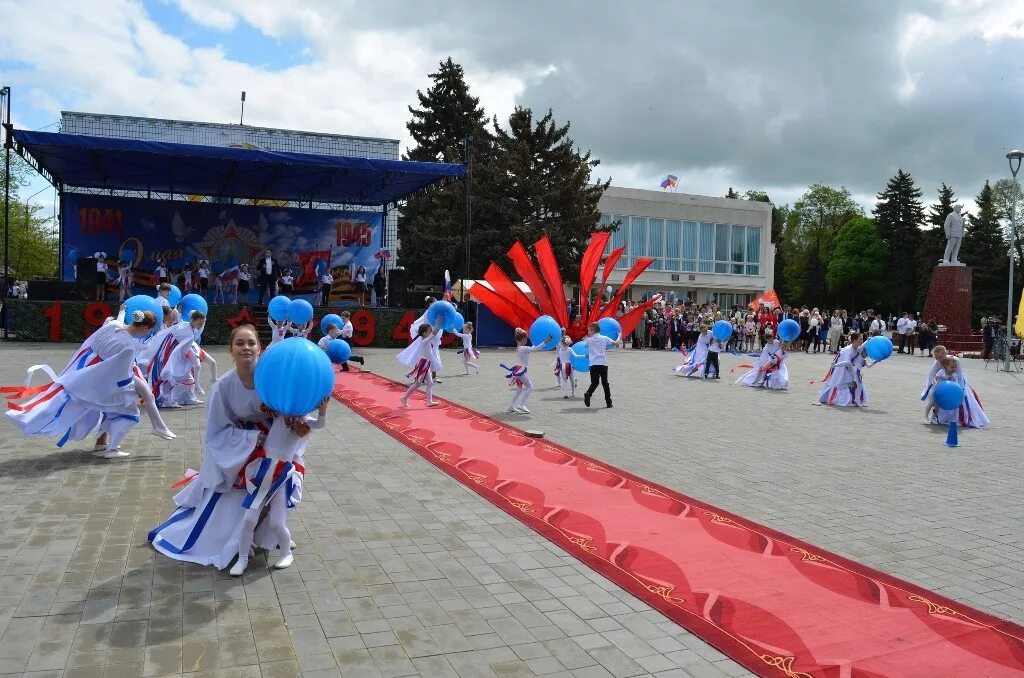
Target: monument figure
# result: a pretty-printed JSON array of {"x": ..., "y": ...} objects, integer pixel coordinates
[{"x": 954, "y": 228}]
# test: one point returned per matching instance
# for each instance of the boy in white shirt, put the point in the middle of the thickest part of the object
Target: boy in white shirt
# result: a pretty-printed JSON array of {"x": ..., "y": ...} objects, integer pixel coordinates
[{"x": 597, "y": 345}]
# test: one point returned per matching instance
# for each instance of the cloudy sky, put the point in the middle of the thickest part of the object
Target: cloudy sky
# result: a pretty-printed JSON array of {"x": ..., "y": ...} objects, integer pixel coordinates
[{"x": 745, "y": 93}]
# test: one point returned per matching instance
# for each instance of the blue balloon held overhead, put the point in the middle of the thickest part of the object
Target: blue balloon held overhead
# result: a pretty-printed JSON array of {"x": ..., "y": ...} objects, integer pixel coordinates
[
  {"x": 581, "y": 362},
  {"x": 722, "y": 330},
  {"x": 174, "y": 298},
  {"x": 441, "y": 313},
  {"x": 331, "y": 319},
  {"x": 789, "y": 330},
  {"x": 338, "y": 351},
  {"x": 300, "y": 311},
  {"x": 293, "y": 376},
  {"x": 948, "y": 395},
  {"x": 878, "y": 348},
  {"x": 277, "y": 309},
  {"x": 193, "y": 302},
  {"x": 458, "y": 322},
  {"x": 545, "y": 332},
  {"x": 610, "y": 328},
  {"x": 141, "y": 302}
]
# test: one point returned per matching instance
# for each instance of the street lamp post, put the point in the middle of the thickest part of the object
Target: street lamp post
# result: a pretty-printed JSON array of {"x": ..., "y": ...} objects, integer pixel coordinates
[{"x": 1014, "y": 157}]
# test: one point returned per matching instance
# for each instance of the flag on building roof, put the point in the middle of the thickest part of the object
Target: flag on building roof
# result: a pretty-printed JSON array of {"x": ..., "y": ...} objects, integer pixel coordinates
[{"x": 670, "y": 181}]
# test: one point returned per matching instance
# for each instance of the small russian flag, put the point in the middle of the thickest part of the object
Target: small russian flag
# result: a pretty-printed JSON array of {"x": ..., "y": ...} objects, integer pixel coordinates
[{"x": 670, "y": 181}]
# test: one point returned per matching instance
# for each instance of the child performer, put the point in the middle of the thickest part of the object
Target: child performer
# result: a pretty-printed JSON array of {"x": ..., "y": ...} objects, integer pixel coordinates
[
  {"x": 970, "y": 414},
  {"x": 218, "y": 289},
  {"x": 267, "y": 474},
  {"x": 947, "y": 372},
  {"x": 698, "y": 356},
  {"x": 564, "y": 366},
  {"x": 419, "y": 356},
  {"x": 181, "y": 372},
  {"x": 97, "y": 389},
  {"x": 844, "y": 386},
  {"x": 278, "y": 331},
  {"x": 597, "y": 345},
  {"x": 714, "y": 347},
  {"x": 125, "y": 280},
  {"x": 204, "y": 277},
  {"x": 517, "y": 377},
  {"x": 770, "y": 370},
  {"x": 242, "y": 289},
  {"x": 469, "y": 354},
  {"x": 346, "y": 333},
  {"x": 559, "y": 363}
]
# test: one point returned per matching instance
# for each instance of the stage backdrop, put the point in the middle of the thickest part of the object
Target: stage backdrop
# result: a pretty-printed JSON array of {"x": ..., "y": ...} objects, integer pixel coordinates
[{"x": 181, "y": 233}]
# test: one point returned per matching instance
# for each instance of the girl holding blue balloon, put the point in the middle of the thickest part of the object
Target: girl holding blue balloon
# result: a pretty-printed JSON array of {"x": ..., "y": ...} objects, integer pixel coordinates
[
  {"x": 844, "y": 385},
  {"x": 969, "y": 412},
  {"x": 769, "y": 371}
]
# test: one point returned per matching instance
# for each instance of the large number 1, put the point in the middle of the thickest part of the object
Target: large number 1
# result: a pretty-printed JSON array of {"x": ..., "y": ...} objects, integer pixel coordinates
[{"x": 53, "y": 315}]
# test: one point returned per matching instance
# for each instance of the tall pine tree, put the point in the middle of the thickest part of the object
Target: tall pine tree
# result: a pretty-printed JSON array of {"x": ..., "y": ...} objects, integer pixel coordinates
[
  {"x": 431, "y": 225},
  {"x": 779, "y": 217},
  {"x": 984, "y": 249},
  {"x": 933, "y": 243},
  {"x": 899, "y": 216}
]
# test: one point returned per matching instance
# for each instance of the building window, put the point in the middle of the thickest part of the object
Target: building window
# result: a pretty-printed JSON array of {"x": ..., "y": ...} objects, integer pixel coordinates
[
  {"x": 673, "y": 240},
  {"x": 706, "y": 256},
  {"x": 656, "y": 243}
]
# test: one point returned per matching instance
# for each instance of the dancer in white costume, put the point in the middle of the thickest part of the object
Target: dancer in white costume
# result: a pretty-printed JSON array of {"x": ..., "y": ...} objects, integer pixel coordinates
[
  {"x": 769, "y": 371},
  {"x": 180, "y": 374},
  {"x": 694, "y": 365},
  {"x": 563, "y": 366},
  {"x": 844, "y": 385},
  {"x": 125, "y": 280},
  {"x": 518, "y": 379},
  {"x": 435, "y": 342},
  {"x": 420, "y": 357},
  {"x": 278, "y": 331},
  {"x": 970, "y": 413},
  {"x": 97, "y": 390},
  {"x": 468, "y": 352},
  {"x": 169, "y": 383},
  {"x": 204, "y": 529}
]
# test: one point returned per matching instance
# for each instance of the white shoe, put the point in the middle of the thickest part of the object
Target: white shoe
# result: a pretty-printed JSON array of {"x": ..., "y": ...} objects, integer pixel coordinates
[
  {"x": 432, "y": 404},
  {"x": 510, "y": 409},
  {"x": 284, "y": 562},
  {"x": 405, "y": 403},
  {"x": 201, "y": 392},
  {"x": 166, "y": 434},
  {"x": 522, "y": 409},
  {"x": 292, "y": 545},
  {"x": 193, "y": 402},
  {"x": 239, "y": 567},
  {"x": 171, "y": 406},
  {"x": 116, "y": 453}
]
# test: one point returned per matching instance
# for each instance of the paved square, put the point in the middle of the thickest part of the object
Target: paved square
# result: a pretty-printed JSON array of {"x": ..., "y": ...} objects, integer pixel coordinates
[{"x": 402, "y": 571}]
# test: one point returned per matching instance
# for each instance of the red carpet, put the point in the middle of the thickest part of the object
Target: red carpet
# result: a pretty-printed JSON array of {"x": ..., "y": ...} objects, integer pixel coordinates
[{"x": 775, "y": 604}]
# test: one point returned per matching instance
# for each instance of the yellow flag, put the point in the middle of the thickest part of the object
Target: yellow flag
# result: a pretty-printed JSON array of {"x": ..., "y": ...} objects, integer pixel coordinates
[{"x": 1019, "y": 326}]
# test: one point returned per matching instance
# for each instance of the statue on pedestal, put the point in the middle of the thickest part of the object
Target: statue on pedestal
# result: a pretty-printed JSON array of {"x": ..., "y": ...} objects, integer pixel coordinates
[{"x": 954, "y": 228}]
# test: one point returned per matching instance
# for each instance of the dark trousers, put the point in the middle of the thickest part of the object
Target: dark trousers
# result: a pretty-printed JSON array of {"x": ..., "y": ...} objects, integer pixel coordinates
[
  {"x": 600, "y": 373},
  {"x": 989, "y": 344},
  {"x": 712, "y": 359},
  {"x": 903, "y": 343},
  {"x": 677, "y": 339},
  {"x": 266, "y": 289}
]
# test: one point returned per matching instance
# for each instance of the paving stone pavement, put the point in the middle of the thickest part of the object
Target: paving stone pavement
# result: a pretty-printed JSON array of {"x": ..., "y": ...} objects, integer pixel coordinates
[{"x": 401, "y": 570}]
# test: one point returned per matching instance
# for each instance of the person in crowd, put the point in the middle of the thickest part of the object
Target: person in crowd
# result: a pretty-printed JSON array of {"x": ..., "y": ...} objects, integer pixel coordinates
[
  {"x": 927, "y": 337},
  {"x": 286, "y": 283},
  {"x": 989, "y": 328},
  {"x": 380, "y": 286},
  {"x": 359, "y": 285},
  {"x": 267, "y": 273},
  {"x": 204, "y": 278},
  {"x": 326, "y": 286},
  {"x": 242, "y": 288},
  {"x": 101, "y": 275}
]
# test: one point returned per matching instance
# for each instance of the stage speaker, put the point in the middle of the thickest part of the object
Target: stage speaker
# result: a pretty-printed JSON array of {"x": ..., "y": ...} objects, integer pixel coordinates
[
  {"x": 85, "y": 278},
  {"x": 44, "y": 290},
  {"x": 398, "y": 287}
]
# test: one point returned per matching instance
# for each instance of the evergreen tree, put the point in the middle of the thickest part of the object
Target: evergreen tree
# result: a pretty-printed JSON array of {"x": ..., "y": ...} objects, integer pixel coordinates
[
  {"x": 732, "y": 195},
  {"x": 431, "y": 225},
  {"x": 899, "y": 216},
  {"x": 933, "y": 243},
  {"x": 779, "y": 217},
  {"x": 540, "y": 185},
  {"x": 984, "y": 249}
]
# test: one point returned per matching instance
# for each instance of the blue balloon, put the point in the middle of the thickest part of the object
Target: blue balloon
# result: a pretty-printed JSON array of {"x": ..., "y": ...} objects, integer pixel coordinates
[
  {"x": 193, "y": 302},
  {"x": 545, "y": 332},
  {"x": 948, "y": 395},
  {"x": 879, "y": 348},
  {"x": 174, "y": 298},
  {"x": 610, "y": 328},
  {"x": 441, "y": 313},
  {"x": 300, "y": 311},
  {"x": 320, "y": 267},
  {"x": 293, "y": 376},
  {"x": 458, "y": 322},
  {"x": 277, "y": 309},
  {"x": 331, "y": 319},
  {"x": 338, "y": 350},
  {"x": 73, "y": 256},
  {"x": 789, "y": 330},
  {"x": 580, "y": 364},
  {"x": 722, "y": 330},
  {"x": 143, "y": 303}
]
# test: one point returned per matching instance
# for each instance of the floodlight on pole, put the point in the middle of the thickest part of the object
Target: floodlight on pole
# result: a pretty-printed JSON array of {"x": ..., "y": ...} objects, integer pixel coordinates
[{"x": 1014, "y": 157}]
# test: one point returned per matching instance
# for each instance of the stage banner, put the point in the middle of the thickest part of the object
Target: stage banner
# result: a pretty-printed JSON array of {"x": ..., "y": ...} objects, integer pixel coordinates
[{"x": 306, "y": 242}]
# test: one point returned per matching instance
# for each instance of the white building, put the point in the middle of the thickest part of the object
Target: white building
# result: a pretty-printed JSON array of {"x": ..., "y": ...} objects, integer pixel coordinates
[{"x": 708, "y": 249}]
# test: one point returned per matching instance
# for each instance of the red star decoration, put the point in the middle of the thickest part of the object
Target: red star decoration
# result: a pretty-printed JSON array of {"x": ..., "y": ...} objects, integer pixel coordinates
[{"x": 243, "y": 318}]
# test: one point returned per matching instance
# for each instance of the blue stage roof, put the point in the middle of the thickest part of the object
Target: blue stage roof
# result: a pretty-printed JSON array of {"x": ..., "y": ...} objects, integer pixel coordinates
[{"x": 76, "y": 160}]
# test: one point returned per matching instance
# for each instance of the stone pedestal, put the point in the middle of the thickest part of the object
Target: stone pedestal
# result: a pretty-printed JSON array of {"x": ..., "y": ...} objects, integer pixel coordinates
[{"x": 949, "y": 304}]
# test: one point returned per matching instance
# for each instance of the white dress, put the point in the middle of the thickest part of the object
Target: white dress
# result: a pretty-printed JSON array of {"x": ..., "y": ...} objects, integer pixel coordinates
[
  {"x": 204, "y": 528},
  {"x": 695, "y": 361},
  {"x": 178, "y": 374},
  {"x": 95, "y": 390},
  {"x": 769, "y": 370},
  {"x": 844, "y": 386},
  {"x": 970, "y": 413}
]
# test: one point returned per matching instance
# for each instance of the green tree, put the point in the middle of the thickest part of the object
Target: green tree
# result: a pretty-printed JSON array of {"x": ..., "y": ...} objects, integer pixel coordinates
[
  {"x": 32, "y": 245},
  {"x": 779, "y": 216},
  {"x": 431, "y": 225},
  {"x": 984, "y": 249},
  {"x": 539, "y": 184},
  {"x": 899, "y": 216},
  {"x": 1004, "y": 194},
  {"x": 732, "y": 195},
  {"x": 933, "y": 243},
  {"x": 810, "y": 228},
  {"x": 856, "y": 271}
]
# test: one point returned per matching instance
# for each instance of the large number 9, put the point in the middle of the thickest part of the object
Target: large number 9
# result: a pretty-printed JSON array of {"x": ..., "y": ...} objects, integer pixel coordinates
[{"x": 364, "y": 325}]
